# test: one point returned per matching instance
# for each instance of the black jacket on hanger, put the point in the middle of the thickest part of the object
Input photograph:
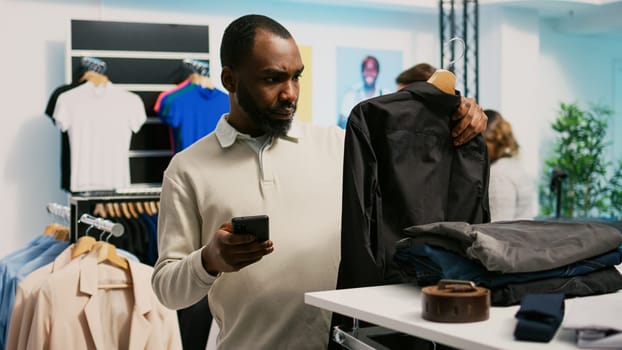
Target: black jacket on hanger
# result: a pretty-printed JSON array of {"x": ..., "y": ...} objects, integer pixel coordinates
[{"x": 401, "y": 169}]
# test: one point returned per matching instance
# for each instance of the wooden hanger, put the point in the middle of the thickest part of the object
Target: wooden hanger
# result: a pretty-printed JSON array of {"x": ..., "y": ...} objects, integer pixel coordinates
[
  {"x": 117, "y": 209},
  {"x": 139, "y": 207},
  {"x": 444, "y": 80},
  {"x": 110, "y": 210},
  {"x": 126, "y": 210},
  {"x": 62, "y": 233},
  {"x": 94, "y": 78},
  {"x": 50, "y": 229},
  {"x": 154, "y": 208},
  {"x": 100, "y": 210},
  {"x": 83, "y": 245},
  {"x": 132, "y": 208},
  {"x": 107, "y": 252},
  {"x": 148, "y": 208},
  {"x": 203, "y": 80}
]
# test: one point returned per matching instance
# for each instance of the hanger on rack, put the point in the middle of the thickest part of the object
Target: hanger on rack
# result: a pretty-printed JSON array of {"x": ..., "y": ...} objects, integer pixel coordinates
[
  {"x": 95, "y": 69},
  {"x": 83, "y": 245},
  {"x": 131, "y": 206},
  {"x": 148, "y": 209},
  {"x": 139, "y": 207},
  {"x": 107, "y": 252},
  {"x": 200, "y": 72},
  {"x": 88, "y": 243},
  {"x": 100, "y": 210},
  {"x": 125, "y": 210},
  {"x": 154, "y": 207},
  {"x": 117, "y": 209},
  {"x": 59, "y": 231},
  {"x": 444, "y": 79}
]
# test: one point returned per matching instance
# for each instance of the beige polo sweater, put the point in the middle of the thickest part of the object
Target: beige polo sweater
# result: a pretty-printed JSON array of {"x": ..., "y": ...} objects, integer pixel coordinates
[{"x": 297, "y": 181}]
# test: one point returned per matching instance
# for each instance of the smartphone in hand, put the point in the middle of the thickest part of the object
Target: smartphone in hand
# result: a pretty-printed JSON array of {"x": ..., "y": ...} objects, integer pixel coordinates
[{"x": 257, "y": 225}]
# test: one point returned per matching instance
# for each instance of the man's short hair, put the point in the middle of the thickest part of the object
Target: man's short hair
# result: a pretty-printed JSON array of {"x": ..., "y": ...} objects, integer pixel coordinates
[
  {"x": 239, "y": 37},
  {"x": 419, "y": 72}
]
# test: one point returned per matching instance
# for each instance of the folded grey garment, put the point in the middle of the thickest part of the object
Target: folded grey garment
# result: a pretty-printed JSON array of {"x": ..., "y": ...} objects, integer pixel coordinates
[{"x": 519, "y": 245}]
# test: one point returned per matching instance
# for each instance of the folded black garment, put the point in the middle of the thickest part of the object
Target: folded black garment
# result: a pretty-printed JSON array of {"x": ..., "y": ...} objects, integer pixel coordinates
[
  {"x": 603, "y": 281},
  {"x": 539, "y": 317}
]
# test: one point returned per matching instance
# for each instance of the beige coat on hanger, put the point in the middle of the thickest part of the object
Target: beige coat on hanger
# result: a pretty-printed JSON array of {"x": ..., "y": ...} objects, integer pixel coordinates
[
  {"x": 96, "y": 318},
  {"x": 26, "y": 298}
]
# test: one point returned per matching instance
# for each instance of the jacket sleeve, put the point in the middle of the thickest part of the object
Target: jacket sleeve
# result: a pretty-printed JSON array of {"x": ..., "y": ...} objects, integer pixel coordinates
[
  {"x": 360, "y": 208},
  {"x": 179, "y": 279}
]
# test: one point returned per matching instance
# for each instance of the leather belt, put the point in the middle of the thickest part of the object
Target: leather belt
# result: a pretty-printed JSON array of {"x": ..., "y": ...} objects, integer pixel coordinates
[{"x": 455, "y": 301}]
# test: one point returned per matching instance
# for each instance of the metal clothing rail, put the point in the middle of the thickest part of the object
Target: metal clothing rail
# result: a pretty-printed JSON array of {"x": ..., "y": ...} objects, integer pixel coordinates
[
  {"x": 94, "y": 64},
  {"x": 61, "y": 211},
  {"x": 196, "y": 66},
  {"x": 82, "y": 204},
  {"x": 115, "y": 229}
]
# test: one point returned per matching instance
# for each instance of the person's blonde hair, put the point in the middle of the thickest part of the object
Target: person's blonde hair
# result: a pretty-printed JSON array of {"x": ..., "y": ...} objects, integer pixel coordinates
[{"x": 499, "y": 134}]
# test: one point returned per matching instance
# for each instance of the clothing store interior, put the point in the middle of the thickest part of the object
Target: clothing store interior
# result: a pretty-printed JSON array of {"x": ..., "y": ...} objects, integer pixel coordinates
[{"x": 127, "y": 162}]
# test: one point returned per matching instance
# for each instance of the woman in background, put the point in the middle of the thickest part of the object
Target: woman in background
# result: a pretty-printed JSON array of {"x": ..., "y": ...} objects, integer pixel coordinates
[{"x": 512, "y": 191}]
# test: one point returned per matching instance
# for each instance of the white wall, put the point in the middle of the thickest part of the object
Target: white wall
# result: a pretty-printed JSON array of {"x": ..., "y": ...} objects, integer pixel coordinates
[
  {"x": 579, "y": 69},
  {"x": 32, "y": 37},
  {"x": 509, "y": 54},
  {"x": 527, "y": 67}
]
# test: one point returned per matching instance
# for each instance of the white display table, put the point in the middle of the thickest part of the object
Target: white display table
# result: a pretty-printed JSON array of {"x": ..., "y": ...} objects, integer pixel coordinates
[{"x": 398, "y": 307}]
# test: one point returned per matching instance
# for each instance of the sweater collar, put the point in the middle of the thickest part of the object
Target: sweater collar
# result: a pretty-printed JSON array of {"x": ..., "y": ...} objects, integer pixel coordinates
[{"x": 227, "y": 134}]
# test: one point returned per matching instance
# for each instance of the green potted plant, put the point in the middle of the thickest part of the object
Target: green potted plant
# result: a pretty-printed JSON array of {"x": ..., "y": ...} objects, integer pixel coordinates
[{"x": 592, "y": 186}]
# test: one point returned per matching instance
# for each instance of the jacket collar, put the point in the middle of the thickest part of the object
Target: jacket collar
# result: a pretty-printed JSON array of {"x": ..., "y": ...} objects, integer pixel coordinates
[
  {"x": 227, "y": 134},
  {"x": 434, "y": 98},
  {"x": 140, "y": 330}
]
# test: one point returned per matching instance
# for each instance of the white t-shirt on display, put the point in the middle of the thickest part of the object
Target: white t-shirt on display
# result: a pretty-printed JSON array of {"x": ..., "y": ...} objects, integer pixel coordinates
[{"x": 99, "y": 121}]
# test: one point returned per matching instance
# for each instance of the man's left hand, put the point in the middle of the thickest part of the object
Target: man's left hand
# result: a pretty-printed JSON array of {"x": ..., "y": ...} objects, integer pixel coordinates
[{"x": 471, "y": 121}]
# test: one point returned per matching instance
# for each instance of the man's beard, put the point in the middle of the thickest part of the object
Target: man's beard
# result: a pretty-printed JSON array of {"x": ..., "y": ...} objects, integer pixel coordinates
[{"x": 261, "y": 117}]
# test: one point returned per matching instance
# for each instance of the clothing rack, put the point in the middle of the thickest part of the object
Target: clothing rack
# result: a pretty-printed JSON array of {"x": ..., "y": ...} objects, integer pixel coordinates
[
  {"x": 101, "y": 224},
  {"x": 94, "y": 64},
  {"x": 144, "y": 58},
  {"x": 82, "y": 203},
  {"x": 196, "y": 66},
  {"x": 61, "y": 211}
]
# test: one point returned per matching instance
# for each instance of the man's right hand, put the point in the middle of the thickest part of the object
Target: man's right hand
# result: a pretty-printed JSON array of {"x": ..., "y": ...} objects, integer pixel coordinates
[{"x": 228, "y": 252}]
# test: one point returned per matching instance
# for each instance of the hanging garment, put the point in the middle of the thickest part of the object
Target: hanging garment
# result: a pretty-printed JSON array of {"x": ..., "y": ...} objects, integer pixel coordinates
[
  {"x": 100, "y": 121},
  {"x": 158, "y": 103},
  {"x": 193, "y": 112},
  {"x": 25, "y": 299},
  {"x": 401, "y": 168},
  {"x": 37, "y": 253},
  {"x": 65, "y": 158},
  {"x": 96, "y": 318}
]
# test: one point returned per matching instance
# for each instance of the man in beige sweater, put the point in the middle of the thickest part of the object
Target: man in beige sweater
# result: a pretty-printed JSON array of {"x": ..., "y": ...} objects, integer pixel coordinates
[{"x": 259, "y": 160}]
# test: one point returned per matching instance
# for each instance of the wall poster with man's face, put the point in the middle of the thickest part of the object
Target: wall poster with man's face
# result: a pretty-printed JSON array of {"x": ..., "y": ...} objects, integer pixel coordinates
[{"x": 363, "y": 74}]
